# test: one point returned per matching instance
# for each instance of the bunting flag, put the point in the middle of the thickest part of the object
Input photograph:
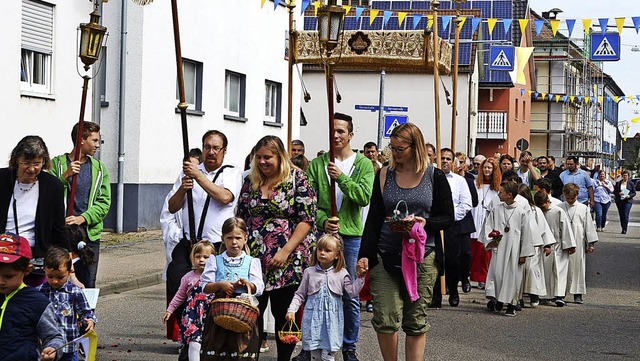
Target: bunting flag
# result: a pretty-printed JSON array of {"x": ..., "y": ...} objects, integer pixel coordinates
[
  {"x": 429, "y": 21},
  {"x": 636, "y": 23},
  {"x": 507, "y": 25},
  {"x": 603, "y": 24},
  {"x": 530, "y": 91},
  {"x": 275, "y": 4},
  {"x": 387, "y": 16},
  {"x": 461, "y": 22},
  {"x": 316, "y": 6},
  {"x": 586, "y": 100},
  {"x": 492, "y": 24},
  {"x": 539, "y": 24},
  {"x": 570, "y": 24},
  {"x": 346, "y": 8},
  {"x": 416, "y": 20},
  {"x": 304, "y": 5},
  {"x": 262, "y": 3},
  {"x": 475, "y": 22},
  {"x": 522, "y": 58},
  {"x": 358, "y": 14},
  {"x": 445, "y": 21},
  {"x": 616, "y": 98},
  {"x": 523, "y": 24},
  {"x": 572, "y": 98},
  {"x": 555, "y": 23},
  {"x": 522, "y": 92},
  {"x": 635, "y": 120},
  {"x": 620, "y": 24},
  {"x": 557, "y": 98},
  {"x": 586, "y": 24},
  {"x": 544, "y": 95},
  {"x": 373, "y": 13},
  {"x": 550, "y": 97},
  {"x": 564, "y": 98},
  {"x": 401, "y": 16},
  {"x": 600, "y": 99}
]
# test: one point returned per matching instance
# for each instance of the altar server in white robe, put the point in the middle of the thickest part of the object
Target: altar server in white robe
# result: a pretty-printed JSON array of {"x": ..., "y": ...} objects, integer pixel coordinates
[
  {"x": 556, "y": 264},
  {"x": 505, "y": 273},
  {"x": 584, "y": 231}
]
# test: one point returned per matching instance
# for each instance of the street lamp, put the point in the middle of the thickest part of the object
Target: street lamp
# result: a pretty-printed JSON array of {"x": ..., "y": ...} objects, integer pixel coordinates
[
  {"x": 330, "y": 29},
  {"x": 92, "y": 35}
]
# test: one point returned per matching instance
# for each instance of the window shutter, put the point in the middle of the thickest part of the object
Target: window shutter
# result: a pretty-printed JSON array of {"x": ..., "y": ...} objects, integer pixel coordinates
[{"x": 37, "y": 26}]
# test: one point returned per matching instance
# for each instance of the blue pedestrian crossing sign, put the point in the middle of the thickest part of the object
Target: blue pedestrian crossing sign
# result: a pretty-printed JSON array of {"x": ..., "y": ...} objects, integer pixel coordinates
[
  {"x": 391, "y": 121},
  {"x": 605, "y": 47},
  {"x": 502, "y": 58}
]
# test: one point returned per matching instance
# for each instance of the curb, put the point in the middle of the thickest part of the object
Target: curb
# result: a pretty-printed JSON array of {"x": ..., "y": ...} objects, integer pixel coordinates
[{"x": 128, "y": 285}]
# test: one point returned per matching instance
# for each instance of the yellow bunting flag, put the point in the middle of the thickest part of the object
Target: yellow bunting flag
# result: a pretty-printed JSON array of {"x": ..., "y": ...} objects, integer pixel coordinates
[
  {"x": 461, "y": 23},
  {"x": 262, "y": 3},
  {"x": 522, "y": 59},
  {"x": 616, "y": 98},
  {"x": 401, "y": 16},
  {"x": 346, "y": 8},
  {"x": 587, "y": 24},
  {"x": 543, "y": 95},
  {"x": 372, "y": 15},
  {"x": 554, "y": 26},
  {"x": 600, "y": 99},
  {"x": 523, "y": 24},
  {"x": 572, "y": 98},
  {"x": 635, "y": 120},
  {"x": 530, "y": 91},
  {"x": 586, "y": 99},
  {"x": 631, "y": 97},
  {"x": 557, "y": 98},
  {"x": 620, "y": 24},
  {"x": 316, "y": 6},
  {"x": 429, "y": 21},
  {"x": 492, "y": 24}
]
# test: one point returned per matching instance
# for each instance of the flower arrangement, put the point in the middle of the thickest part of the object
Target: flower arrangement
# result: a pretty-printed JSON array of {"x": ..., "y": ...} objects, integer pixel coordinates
[{"x": 496, "y": 237}]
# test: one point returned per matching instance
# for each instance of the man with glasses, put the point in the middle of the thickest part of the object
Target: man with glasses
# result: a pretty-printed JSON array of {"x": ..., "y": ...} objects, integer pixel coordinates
[
  {"x": 215, "y": 188},
  {"x": 93, "y": 193},
  {"x": 456, "y": 236},
  {"x": 477, "y": 162}
]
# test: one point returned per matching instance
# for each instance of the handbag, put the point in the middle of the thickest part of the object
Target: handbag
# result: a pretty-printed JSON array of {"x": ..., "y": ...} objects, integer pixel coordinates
[{"x": 392, "y": 263}]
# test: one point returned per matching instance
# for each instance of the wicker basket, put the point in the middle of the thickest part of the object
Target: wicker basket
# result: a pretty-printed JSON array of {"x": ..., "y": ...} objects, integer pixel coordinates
[
  {"x": 290, "y": 333},
  {"x": 234, "y": 314},
  {"x": 400, "y": 222}
]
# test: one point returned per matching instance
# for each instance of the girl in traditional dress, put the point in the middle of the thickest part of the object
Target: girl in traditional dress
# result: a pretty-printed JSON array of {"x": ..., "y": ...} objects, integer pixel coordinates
[
  {"x": 227, "y": 275},
  {"x": 321, "y": 288},
  {"x": 196, "y": 303}
]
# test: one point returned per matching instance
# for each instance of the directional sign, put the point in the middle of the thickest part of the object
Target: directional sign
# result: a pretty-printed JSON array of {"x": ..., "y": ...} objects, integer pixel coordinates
[
  {"x": 502, "y": 58},
  {"x": 391, "y": 121},
  {"x": 387, "y": 108},
  {"x": 522, "y": 144},
  {"x": 605, "y": 47}
]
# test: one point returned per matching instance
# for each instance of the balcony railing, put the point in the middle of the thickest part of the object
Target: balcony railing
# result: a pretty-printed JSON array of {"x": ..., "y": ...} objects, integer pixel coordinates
[{"x": 492, "y": 125}]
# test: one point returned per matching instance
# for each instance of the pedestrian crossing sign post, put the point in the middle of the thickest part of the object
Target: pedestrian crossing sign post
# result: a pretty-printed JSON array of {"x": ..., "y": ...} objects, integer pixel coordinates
[
  {"x": 502, "y": 58},
  {"x": 391, "y": 121},
  {"x": 605, "y": 47}
]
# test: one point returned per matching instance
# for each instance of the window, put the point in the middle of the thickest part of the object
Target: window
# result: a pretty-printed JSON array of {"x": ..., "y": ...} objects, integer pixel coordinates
[
  {"x": 37, "y": 47},
  {"x": 234, "y": 95},
  {"x": 272, "y": 101},
  {"x": 192, "y": 72}
]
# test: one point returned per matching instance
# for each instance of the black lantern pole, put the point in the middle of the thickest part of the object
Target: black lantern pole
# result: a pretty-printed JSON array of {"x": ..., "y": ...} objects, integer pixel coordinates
[
  {"x": 92, "y": 35},
  {"x": 330, "y": 29}
]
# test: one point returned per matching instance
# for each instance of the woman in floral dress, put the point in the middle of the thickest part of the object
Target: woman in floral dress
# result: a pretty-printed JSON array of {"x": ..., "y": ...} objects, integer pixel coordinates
[{"x": 279, "y": 208}]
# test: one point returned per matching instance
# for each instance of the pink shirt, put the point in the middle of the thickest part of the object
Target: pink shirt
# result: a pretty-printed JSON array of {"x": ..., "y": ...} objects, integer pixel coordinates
[{"x": 187, "y": 283}]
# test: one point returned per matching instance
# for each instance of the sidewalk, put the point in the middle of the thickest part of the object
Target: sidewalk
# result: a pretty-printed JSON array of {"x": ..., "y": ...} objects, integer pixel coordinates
[{"x": 129, "y": 266}]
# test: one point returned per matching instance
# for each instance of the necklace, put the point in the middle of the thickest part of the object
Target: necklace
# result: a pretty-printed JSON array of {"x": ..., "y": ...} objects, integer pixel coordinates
[
  {"x": 27, "y": 188},
  {"x": 506, "y": 224},
  {"x": 571, "y": 216}
]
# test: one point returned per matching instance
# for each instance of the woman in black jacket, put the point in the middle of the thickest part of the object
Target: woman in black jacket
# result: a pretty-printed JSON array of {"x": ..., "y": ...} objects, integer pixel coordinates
[
  {"x": 624, "y": 191},
  {"x": 32, "y": 201}
]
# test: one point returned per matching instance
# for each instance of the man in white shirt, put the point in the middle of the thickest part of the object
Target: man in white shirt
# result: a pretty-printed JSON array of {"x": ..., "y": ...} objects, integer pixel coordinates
[{"x": 455, "y": 235}]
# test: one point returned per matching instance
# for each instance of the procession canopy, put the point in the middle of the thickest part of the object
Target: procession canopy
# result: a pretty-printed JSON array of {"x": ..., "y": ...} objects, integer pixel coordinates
[{"x": 392, "y": 50}]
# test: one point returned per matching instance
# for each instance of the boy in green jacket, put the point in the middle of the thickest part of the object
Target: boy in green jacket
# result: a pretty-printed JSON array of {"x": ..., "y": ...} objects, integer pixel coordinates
[
  {"x": 93, "y": 193},
  {"x": 353, "y": 173}
]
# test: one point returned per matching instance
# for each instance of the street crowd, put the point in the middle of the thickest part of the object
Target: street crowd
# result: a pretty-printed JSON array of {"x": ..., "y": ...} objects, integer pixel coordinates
[{"x": 307, "y": 240}]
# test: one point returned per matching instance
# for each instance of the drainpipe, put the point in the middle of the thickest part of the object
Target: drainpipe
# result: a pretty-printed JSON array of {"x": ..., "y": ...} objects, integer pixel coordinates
[{"x": 121, "y": 114}]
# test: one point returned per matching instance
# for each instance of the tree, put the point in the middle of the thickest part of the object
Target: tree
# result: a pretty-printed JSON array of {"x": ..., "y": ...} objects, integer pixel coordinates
[{"x": 633, "y": 163}]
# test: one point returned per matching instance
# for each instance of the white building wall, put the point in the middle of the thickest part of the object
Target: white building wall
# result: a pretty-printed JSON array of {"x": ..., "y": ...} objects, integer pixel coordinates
[
  {"x": 52, "y": 116},
  {"x": 414, "y": 91}
]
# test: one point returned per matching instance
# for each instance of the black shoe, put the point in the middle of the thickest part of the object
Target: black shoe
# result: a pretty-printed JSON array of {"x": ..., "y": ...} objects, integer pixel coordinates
[
  {"x": 534, "y": 300},
  {"x": 466, "y": 285},
  {"x": 303, "y": 356},
  {"x": 454, "y": 300},
  {"x": 491, "y": 305},
  {"x": 578, "y": 299},
  {"x": 350, "y": 355},
  {"x": 560, "y": 302},
  {"x": 624, "y": 231},
  {"x": 499, "y": 306},
  {"x": 511, "y": 310},
  {"x": 436, "y": 302},
  {"x": 369, "y": 306}
]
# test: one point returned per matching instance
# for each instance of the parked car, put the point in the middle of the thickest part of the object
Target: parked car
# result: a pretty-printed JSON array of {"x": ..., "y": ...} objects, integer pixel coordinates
[{"x": 636, "y": 181}]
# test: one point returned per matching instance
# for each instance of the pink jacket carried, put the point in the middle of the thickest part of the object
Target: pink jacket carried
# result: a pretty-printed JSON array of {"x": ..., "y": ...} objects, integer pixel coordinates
[{"x": 412, "y": 254}]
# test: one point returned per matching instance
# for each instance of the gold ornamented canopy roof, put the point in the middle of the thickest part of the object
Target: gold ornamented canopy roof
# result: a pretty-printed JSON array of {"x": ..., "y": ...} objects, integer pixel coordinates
[{"x": 376, "y": 50}]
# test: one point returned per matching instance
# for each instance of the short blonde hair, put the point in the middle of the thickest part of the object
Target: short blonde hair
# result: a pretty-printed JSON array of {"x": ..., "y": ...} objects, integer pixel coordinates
[
  {"x": 411, "y": 134},
  {"x": 336, "y": 241},
  {"x": 198, "y": 248}
]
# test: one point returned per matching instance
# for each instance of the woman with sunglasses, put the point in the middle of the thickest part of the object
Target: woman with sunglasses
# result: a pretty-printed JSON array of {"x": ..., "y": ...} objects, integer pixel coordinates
[{"x": 32, "y": 202}]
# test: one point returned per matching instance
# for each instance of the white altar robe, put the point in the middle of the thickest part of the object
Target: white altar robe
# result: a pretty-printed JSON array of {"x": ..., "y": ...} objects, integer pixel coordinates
[
  {"x": 556, "y": 265},
  {"x": 584, "y": 231}
]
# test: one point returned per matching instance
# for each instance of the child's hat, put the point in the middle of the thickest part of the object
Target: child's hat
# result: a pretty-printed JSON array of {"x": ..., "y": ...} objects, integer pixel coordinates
[{"x": 12, "y": 247}]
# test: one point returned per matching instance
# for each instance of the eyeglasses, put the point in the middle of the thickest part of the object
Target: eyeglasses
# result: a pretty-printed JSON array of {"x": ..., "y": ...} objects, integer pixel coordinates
[
  {"x": 208, "y": 148},
  {"x": 446, "y": 159},
  {"x": 400, "y": 149},
  {"x": 31, "y": 164}
]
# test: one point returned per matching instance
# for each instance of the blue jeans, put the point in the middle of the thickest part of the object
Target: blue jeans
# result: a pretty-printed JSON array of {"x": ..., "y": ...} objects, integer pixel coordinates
[
  {"x": 624, "y": 208},
  {"x": 351, "y": 305},
  {"x": 601, "y": 213}
]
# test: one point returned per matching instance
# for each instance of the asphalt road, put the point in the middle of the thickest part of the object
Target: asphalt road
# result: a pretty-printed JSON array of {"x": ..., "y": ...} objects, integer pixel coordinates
[{"x": 606, "y": 327}]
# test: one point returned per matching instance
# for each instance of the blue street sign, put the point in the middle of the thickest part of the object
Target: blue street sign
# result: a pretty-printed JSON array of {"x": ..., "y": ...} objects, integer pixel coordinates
[
  {"x": 502, "y": 57},
  {"x": 387, "y": 108},
  {"x": 605, "y": 47},
  {"x": 391, "y": 121}
]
